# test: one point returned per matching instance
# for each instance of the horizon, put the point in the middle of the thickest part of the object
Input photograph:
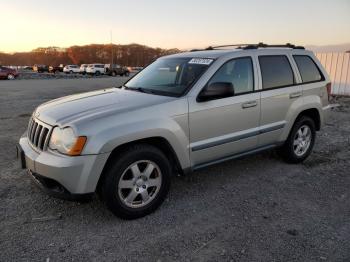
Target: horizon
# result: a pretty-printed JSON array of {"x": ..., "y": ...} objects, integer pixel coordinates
[
  {"x": 342, "y": 47},
  {"x": 178, "y": 24}
]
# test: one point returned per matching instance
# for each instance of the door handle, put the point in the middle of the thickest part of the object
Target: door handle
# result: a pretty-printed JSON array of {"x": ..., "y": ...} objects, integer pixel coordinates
[
  {"x": 249, "y": 104},
  {"x": 295, "y": 95}
]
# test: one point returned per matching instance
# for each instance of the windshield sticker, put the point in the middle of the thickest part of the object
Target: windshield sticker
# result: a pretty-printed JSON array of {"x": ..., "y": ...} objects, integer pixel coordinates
[{"x": 201, "y": 61}]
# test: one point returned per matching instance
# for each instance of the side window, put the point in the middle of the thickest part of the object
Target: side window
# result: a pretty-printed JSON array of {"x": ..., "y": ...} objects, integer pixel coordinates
[
  {"x": 308, "y": 69},
  {"x": 239, "y": 72},
  {"x": 276, "y": 71}
]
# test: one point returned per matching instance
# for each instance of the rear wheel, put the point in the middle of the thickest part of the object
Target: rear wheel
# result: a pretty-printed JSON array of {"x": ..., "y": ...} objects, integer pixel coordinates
[
  {"x": 300, "y": 141},
  {"x": 97, "y": 73},
  {"x": 137, "y": 182}
]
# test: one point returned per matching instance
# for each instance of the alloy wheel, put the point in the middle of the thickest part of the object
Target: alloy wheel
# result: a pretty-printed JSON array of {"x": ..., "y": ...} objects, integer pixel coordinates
[
  {"x": 302, "y": 140},
  {"x": 140, "y": 183}
]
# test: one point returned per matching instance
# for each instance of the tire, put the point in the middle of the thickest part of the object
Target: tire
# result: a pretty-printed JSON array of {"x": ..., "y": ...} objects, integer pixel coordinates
[
  {"x": 71, "y": 72},
  {"x": 10, "y": 77},
  {"x": 113, "y": 73},
  {"x": 97, "y": 73},
  {"x": 127, "y": 188},
  {"x": 126, "y": 74},
  {"x": 302, "y": 136}
]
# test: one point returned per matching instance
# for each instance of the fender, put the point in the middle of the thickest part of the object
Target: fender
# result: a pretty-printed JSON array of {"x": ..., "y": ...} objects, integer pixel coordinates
[
  {"x": 174, "y": 130},
  {"x": 298, "y": 106}
]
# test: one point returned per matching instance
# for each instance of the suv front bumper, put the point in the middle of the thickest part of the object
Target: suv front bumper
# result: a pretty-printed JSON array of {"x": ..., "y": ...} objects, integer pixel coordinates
[{"x": 59, "y": 174}]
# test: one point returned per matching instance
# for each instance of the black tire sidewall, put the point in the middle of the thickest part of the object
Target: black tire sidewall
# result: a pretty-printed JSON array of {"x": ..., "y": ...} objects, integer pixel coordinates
[
  {"x": 289, "y": 148},
  {"x": 110, "y": 186}
]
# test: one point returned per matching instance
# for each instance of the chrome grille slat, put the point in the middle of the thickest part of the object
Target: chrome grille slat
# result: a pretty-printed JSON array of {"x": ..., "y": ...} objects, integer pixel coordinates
[
  {"x": 46, "y": 142},
  {"x": 38, "y": 134},
  {"x": 33, "y": 132},
  {"x": 31, "y": 128},
  {"x": 41, "y": 136}
]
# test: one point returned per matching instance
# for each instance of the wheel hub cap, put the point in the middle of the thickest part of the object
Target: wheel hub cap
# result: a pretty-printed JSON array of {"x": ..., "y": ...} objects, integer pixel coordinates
[{"x": 140, "y": 183}]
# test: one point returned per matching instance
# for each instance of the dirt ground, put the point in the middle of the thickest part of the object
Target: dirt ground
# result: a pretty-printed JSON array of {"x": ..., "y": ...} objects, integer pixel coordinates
[{"x": 254, "y": 209}]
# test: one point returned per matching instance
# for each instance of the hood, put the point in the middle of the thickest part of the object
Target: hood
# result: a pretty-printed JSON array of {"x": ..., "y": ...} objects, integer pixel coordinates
[{"x": 96, "y": 104}]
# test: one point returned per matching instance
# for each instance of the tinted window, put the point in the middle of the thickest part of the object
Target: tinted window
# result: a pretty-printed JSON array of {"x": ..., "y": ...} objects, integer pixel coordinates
[
  {"x": 308, "y": 70},
  {"x": 239, "y": 72},
  {"x": 276, "y": 71}
]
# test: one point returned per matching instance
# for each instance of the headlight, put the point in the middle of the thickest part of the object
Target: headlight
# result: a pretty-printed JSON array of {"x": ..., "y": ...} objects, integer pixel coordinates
[{"x": 66, "y": 142}]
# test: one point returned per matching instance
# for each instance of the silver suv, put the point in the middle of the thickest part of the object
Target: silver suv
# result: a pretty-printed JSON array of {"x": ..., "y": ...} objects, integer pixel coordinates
[{"x": 181, "y": 113}]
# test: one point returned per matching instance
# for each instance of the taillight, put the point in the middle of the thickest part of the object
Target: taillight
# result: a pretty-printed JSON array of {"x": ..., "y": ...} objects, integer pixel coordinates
[{"x": 329, "y": 90}]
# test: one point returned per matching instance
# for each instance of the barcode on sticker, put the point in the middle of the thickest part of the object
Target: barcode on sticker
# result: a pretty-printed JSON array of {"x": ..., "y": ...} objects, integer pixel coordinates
[{"x": 201, "y": 61}]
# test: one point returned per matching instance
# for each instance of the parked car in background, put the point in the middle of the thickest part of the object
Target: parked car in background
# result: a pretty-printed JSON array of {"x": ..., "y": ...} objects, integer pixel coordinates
[
  {"x": 82, "y": 69},
  {"x": 8, "y": 73},
  {"x": 70, "y": 69},
  {"x": 135, "y": 69},
  {"x": 54, "y": 69},
  {"x": 40, "y": 68},
  {"x": 95, "y": 69},
  {"x": 27, "y": 68},
  {"x": 114, "y": 70}
]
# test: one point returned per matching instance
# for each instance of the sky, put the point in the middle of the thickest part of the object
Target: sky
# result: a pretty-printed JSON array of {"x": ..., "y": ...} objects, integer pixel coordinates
[{"x": 184, "y": 24}]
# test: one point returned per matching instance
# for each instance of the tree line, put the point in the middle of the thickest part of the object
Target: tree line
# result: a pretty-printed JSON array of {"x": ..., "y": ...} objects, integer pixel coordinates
[{"x": 129, "y": 55}]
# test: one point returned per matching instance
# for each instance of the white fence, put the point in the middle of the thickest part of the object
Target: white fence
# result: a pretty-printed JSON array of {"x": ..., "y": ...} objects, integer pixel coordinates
[{"x": 338, "y": 68}]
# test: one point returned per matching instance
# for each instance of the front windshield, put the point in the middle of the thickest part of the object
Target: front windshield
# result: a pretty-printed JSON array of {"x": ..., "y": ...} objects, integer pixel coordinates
[{"x": 169, "y": 76}]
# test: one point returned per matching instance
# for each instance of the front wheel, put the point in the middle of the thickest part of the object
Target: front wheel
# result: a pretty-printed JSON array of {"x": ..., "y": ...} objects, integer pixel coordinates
[
  {"x": 300, "y": 141},
  {"x": 10, "y": 77},
  {"x": 137, "y": 182}
]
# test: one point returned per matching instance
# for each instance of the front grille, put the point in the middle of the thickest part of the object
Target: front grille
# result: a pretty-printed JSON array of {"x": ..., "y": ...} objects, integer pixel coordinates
[{"x": 38, "y": 134}]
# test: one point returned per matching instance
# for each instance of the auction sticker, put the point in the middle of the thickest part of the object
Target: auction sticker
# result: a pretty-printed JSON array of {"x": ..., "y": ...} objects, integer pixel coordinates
[{"x": 201, "y": 61}]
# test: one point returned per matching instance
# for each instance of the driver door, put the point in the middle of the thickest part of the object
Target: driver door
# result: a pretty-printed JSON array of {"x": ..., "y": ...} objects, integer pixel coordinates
[{"x": 224, "y": 127}]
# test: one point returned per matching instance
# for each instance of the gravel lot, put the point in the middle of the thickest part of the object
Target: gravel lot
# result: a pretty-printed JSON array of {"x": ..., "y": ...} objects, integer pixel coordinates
[
  {"x": 253, "y": 209},
  {"x": 26, "y": 75}
]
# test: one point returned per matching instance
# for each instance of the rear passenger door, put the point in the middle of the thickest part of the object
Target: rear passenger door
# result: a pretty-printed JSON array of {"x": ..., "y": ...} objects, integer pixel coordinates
[{"x": 278, "y": 92}]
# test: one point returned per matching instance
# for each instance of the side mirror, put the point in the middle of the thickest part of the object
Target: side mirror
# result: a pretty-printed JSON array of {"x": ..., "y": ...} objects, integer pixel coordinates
[{"x": 216, "y": 90}]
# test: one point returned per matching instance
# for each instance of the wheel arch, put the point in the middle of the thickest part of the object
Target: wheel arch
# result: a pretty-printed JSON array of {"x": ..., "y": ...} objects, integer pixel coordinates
[
  {"x": 159, "y": 142},
  {"x": 314, "y": 114}
]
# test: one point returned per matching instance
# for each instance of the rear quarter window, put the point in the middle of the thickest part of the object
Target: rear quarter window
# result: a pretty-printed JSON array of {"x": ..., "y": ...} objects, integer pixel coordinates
[
  {"x": 276, "y": 71},
  {"x": 308, "y": 69}
]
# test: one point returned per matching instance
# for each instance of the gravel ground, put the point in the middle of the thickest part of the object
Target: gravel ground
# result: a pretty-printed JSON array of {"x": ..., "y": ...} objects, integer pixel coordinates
[{"x": 253, "y": 209}]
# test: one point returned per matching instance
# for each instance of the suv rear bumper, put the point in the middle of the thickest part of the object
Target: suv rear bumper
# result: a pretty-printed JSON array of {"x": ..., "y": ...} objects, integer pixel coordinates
[
  {"x": 326, "y": 112},
  {"x": 64, "y": 175}
]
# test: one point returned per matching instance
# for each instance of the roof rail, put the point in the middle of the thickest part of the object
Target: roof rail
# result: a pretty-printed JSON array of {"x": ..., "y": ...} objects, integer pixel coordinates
[
  {"x": 220, "y": 46},
  {"x": 250, "y": 46},
  {"x": 262, "y": 45}
]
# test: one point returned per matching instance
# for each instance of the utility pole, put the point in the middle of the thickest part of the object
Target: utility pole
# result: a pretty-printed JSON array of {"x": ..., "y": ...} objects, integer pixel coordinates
[{"x": 111, "y": 50}]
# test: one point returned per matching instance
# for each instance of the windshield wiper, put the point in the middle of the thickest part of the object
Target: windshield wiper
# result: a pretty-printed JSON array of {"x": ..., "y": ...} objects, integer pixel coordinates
[{"x": 141, "y": 89}]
